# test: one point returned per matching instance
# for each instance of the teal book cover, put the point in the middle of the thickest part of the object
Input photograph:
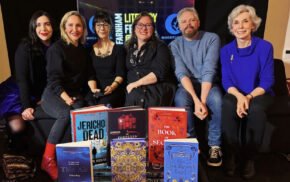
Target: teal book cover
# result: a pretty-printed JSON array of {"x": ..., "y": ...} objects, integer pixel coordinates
[{"x": 181, "y": 160}]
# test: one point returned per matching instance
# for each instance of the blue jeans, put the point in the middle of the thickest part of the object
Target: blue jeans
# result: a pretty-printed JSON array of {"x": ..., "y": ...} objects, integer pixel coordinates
[
  {"x": 214, "y": 104},
  {"x": 55, "y": 106}
]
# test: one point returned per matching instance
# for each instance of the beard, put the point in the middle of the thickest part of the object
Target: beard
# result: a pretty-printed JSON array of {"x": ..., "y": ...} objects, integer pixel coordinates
[{"x": 189, "y": 33}]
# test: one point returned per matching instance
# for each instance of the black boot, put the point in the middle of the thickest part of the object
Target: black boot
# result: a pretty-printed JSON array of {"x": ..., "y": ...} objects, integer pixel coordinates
[
  {"x": 230, "y": 165},
  {"x": 248, "y": 171},
  {"x": 230, "y": 158}
]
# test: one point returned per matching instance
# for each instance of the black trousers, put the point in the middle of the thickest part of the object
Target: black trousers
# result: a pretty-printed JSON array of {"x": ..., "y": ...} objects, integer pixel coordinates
[
  {"x": 246, "y": 133},
  {"x": 55, "y": 107}
]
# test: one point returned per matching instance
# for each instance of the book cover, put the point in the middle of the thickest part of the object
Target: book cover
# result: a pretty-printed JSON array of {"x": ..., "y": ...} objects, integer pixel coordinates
[
  {"x": 128, "y": 159},
  {"x": 181, "y": 160},
  {"x": 74, "y": 161},
  {"x": 127, "y": 123},
  {"x": 90, "y": 123},
  {"x": 164, "y": 123}
]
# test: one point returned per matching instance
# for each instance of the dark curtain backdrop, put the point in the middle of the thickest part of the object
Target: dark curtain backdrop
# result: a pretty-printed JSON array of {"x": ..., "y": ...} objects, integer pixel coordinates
[
  {"x": 213, "y": 15},
  {"x": 17, "y": 13}
]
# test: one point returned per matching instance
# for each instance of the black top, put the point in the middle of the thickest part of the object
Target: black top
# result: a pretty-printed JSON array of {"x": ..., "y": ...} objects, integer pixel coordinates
[
  {"x": 156, "y": 58},
  {"x": 30, "y": 73},
  {"x": 107, "y": 68},
  {"x": 67, "y": 68}
]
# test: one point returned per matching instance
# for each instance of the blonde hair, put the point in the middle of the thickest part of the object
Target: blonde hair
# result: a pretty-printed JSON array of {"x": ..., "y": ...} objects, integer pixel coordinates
[
  {"x": 63, "y": 22},
  {"x": 187, "y": 9},
  {"x": 241, "y": 9}
]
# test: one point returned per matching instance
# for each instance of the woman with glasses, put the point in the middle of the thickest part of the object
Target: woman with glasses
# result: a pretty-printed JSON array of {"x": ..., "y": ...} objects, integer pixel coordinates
[
  {"x": 108, "y": 60},
  {"x": 150, "y": 73}
]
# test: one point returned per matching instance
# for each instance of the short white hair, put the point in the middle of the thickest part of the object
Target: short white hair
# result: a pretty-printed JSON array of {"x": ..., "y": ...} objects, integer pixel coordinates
[{"x": 241, "y": 9}]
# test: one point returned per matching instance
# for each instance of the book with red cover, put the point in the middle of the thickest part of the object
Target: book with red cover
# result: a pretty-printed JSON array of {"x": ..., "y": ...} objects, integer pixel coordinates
[{"x": 164, "y": 123}]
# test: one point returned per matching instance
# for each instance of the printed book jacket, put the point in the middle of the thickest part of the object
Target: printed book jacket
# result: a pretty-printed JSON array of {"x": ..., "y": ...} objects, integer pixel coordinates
[
  {"x": 181, "y": 160},
  {"x": 128, "y": 160}
]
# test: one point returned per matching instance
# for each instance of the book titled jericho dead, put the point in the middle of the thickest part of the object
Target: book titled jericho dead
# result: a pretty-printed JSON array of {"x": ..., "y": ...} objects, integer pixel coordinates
[{"x": 90, "y": 123}]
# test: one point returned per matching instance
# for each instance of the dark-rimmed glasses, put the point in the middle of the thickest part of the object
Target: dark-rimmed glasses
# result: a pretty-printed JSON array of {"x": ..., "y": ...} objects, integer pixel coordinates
[
  {"x": 141, "y": 25},
  {"x": 100, "y": 25}
]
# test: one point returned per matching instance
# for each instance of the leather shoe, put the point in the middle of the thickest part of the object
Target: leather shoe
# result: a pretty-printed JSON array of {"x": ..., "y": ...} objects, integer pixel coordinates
[
  {"x": 249, "y": 169},
  {"x": 50, "y": 167}
]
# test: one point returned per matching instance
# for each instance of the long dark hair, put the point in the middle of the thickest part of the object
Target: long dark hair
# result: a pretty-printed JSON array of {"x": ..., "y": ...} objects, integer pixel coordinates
[
  {"x": 33, "y": 39},
  {"x": 133, "y": 39}
]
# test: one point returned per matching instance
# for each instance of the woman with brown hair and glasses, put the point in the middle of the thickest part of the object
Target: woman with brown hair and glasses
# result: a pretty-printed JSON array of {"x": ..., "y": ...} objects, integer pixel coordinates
[{"x": 150, "y": 74}]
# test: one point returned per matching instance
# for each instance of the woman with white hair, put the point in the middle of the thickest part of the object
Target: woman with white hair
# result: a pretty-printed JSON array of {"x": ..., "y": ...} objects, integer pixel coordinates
[
  {"x": 67, "y": 72},
  {"x": 247, "y": 77}
]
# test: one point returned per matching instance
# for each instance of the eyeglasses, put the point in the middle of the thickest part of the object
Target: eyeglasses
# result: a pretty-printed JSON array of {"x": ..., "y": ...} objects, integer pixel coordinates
[
  {"x": 104, "y": 25},
  {"x": 141, "y": 25}
]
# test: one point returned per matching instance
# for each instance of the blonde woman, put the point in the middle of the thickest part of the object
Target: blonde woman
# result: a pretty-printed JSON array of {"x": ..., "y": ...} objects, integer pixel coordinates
[{"x": 67, "y": 65}]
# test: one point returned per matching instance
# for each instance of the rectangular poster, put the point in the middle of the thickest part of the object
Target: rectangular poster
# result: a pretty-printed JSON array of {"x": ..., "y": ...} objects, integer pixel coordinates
[{"x": 124, "y": 12}]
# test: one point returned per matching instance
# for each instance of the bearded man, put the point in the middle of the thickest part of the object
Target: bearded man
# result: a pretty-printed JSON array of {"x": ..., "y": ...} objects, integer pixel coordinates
[{"x": 196, "y": 55}]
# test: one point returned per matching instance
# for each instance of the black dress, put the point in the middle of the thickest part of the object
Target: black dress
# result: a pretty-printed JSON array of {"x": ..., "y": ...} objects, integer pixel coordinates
[
  {"x": 106, "y": 70},
  {"x": 156, "y": 58}
]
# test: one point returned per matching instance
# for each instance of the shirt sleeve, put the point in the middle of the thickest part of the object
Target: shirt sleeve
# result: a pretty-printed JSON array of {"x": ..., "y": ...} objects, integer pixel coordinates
[
  {"x": 55, "y": 72},
  {"x": 91, "y": 74},
  {"x": 267, "y": 69},
  {"x": 22, "y": 73},
  {"x": 210, "y": 65},
  {"x": 180, "y": 68},
  {"x": 120, "y": 64},
  {"x": 226, "y": 78},
  {"x": 161, "y": 64}
]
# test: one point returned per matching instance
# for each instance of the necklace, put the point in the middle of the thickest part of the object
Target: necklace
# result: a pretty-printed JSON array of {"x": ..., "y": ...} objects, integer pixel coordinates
[{"x": 107, "y": 52}]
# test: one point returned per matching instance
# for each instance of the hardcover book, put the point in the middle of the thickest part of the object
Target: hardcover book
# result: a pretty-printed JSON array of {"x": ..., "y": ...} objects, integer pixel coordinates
[
  {"x": 90, "y": 123},
  {"x": 127, "y": 122},
  {"x": 164, "y": 123},
  {"x": 181, "y": 160},
  {"x": 128, "y": 159},
  {"x": 74, "y": 161}
]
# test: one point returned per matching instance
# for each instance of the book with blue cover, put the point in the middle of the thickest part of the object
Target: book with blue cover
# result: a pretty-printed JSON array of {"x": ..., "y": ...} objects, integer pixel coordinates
[
  {"x": 90, "y": 123},
  {"x": 128, "y": 159},
  {"x": 181, "y": 160},
  {"x": 74, "y": 161}
]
